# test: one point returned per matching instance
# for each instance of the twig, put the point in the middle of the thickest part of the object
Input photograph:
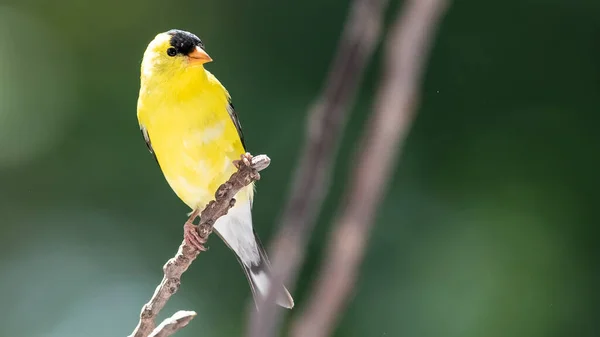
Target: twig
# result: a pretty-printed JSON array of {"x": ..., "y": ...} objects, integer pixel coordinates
[
  {"x": 172, "y": 324},
  {"x": 248, "y": 168},
  {"x": 327, "y": 119},
  {"x": 406, "y": 52}
]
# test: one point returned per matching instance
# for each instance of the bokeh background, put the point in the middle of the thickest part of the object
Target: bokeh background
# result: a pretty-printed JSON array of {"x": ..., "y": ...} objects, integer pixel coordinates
[{"x": 490, "y": 226}]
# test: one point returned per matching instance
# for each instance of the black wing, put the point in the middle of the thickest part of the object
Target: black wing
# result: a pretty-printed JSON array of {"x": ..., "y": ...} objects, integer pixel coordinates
[
  {"x": 236, "y": 121},
  {"x": 147, "y": 140}
]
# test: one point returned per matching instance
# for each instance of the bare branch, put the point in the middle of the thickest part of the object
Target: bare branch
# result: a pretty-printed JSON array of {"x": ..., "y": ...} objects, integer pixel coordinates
[
  {"x": 326, "y": 122},
  {"x": 173, "y": 324},
  {"x": 248, "y": 168},
  {"x": 406, "y": 52}
]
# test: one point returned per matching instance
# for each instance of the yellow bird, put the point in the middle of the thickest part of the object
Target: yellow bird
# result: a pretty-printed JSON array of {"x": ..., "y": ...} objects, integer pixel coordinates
[{"x": 190, "y": 126}]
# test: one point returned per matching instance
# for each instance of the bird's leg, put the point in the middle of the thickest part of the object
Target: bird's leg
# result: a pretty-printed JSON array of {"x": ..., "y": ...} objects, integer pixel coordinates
[{"x": 191, "y": 235}]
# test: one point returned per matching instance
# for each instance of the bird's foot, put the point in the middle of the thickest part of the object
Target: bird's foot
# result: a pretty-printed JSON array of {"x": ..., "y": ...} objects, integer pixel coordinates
[
  {"x": 192, "y": 237},
  {"x": 245, "y": 160}
]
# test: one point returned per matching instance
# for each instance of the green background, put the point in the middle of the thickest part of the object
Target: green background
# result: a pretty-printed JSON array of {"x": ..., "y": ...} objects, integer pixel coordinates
[{"x": 489, "y": 228}]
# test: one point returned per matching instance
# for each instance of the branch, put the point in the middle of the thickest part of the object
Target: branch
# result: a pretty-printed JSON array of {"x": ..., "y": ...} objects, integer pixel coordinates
[
  {"x": 248, "y": 168},
  {"x": 326, "y": 122},
  {"x": 406, "y": 51},
  {"x": 172, "y": 324}
]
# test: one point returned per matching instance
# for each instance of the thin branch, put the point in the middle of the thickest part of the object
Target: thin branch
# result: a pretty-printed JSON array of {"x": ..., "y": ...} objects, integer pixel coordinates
[
  {"x": 248, "y": 168},
  {"x": 406, "y": 52},
  {"x": 326, "y": 122},
  {"x": 173, "y": 324}
]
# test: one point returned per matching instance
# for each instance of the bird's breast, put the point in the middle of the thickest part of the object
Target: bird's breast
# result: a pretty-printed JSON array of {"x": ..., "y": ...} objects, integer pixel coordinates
[{"x": 195, "y": 143}]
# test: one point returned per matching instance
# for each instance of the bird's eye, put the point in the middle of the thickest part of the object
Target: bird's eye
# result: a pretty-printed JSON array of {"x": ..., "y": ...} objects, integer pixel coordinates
[{"x": 171, "y": 52}]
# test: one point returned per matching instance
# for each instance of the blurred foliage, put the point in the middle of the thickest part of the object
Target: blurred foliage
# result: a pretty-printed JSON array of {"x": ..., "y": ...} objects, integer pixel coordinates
[{"x": 489, "y": 228}]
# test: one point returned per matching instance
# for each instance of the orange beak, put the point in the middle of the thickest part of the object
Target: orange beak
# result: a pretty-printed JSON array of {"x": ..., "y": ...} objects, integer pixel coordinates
[{"x": 199, "y": 56}]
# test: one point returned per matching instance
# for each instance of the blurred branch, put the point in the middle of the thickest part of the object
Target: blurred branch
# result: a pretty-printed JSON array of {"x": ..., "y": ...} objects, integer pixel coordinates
[
  {"x": 248, "y": 168},
  {"x": 326, "y": 122},
  {"x": 406, "y": 51}
]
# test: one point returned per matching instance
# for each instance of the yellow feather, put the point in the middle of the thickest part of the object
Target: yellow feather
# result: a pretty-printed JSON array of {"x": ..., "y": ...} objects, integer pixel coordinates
[{"x": 184, "y": 110}]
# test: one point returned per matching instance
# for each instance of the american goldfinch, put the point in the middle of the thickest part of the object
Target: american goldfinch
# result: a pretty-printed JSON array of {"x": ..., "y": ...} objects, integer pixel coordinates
[{"x": 190, "y": 126}]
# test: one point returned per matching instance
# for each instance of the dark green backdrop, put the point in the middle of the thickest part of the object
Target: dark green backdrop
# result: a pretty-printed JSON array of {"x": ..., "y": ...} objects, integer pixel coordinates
[{"x": 489, "y": 227}]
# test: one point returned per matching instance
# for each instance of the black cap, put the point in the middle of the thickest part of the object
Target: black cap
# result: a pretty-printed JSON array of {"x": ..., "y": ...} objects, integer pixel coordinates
[{"x": 184, "y": 42}]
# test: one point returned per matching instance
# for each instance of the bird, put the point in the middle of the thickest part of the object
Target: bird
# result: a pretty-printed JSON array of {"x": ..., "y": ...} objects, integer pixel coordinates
[{"x": 190, "y": 126}]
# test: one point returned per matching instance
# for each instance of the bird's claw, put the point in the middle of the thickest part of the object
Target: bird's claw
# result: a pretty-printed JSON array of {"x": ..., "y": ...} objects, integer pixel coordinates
[
  {"x": 245, "y": 160},
  {"x": 192, "y": 237}
]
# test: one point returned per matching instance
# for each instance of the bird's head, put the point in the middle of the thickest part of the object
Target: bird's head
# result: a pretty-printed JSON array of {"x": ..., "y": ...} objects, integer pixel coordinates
[{"x": 175, "y": 50}]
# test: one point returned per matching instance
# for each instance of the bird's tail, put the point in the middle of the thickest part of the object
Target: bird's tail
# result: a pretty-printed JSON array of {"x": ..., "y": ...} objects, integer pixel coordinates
[{"x": 260, "y": 278}]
